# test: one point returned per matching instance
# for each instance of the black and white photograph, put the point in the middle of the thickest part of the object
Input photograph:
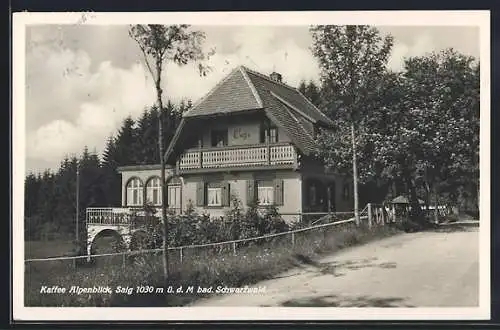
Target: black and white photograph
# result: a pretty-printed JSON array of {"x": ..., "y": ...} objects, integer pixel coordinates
[{"x": 251, "y": 166}]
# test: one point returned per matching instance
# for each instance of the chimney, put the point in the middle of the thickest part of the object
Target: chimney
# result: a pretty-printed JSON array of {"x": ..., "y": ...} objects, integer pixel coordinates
[{"x": 275, "y": 76}]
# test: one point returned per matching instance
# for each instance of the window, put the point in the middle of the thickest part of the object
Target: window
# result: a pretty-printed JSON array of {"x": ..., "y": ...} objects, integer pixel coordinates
[
  {"x": 219, "y": 138},
  {"x": 134, "y": 192},
  {"x": 265, "y": 193},
  {"x": 214, "y": 196},
  {"x": 268, "y": 134},
  {"x": 153, "y": 191},
  {"x": 174, "y": 196}
]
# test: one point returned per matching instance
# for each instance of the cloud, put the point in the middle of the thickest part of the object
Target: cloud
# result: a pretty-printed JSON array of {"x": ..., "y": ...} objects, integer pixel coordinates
[
  {"x": 68, "y": 106},
  {"x": 256, "y": 50},
  {"x": 421, "y": 45}
]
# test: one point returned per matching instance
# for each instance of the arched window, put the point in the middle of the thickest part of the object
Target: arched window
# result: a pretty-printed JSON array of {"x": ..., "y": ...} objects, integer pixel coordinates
[
  {"x": 153, "y": 191},
  {"x": 134, "y": 192}
]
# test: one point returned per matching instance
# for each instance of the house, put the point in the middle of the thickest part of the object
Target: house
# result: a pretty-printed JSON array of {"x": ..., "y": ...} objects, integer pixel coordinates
[{"x": 251, "y": 137}]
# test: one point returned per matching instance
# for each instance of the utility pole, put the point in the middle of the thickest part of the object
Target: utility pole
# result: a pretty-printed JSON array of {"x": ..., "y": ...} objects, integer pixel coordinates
[
  {"x": 351, "y": 32},
  {"x": 77, "y": 212},
  {"x": 77, "y": 205},
  {"x": 355, "y": 176}
]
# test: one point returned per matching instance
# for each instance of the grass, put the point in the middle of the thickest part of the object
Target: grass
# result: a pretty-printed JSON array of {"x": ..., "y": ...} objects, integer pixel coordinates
[
  {"x": 204, "y": 267},
  {"x": 47, "y": 249}
]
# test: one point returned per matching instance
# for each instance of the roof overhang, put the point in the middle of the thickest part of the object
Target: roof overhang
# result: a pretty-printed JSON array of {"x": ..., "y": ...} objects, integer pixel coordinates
[{"x": 147, "y": 167}]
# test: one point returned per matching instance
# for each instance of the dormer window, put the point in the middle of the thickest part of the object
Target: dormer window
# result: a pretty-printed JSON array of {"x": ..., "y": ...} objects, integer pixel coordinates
[{"x": 219, "y": 138}]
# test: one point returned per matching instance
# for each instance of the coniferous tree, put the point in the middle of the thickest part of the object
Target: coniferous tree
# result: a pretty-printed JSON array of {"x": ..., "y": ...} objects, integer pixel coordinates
[
  {"x": 125, "y": 143},
  {"x": 32, "y": 221},
  {"x": 111, "y": 178},
  {"x": 65, "y": 195},
  {"x": 46, "y": 205}
]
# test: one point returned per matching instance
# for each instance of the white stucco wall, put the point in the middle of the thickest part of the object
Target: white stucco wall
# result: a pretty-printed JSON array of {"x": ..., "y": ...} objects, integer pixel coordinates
[{"x": 292, "y": 197}]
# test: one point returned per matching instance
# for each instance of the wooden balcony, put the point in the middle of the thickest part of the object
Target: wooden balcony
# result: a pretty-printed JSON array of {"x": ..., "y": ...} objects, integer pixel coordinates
[{"x": 238, "y": 157}]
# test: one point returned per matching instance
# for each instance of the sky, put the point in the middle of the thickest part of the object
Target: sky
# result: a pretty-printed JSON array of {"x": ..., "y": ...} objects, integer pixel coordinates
[{"x": 83, "y": 80}]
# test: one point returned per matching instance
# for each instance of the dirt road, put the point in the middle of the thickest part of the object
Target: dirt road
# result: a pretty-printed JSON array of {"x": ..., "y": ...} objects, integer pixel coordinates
[{"x": 426, "y": 269}]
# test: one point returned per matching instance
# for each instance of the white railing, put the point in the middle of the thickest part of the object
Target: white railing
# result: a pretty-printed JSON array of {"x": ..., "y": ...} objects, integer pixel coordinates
[
  {"x": 260, "y": 155},
  {"x": 118, "y": 215},
  {"x": 234, "y": 157},
  {"x": 282, "y": 154},
  {"x": 108, "y": 215},
  {"x": 190, "y": 160}
]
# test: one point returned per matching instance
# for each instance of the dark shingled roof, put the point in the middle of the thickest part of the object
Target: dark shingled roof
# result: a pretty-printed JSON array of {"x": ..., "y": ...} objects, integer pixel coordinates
[
  {"x": 291, "y": 95},
  {"x": 232, "y": 94},
  {"x": 243, "y": 90}
]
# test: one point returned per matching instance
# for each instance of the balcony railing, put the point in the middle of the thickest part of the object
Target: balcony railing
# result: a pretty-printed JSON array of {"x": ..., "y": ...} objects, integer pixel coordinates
[
  {"x": 238, "y": 156},
  {"x": 118, "y": 215}
]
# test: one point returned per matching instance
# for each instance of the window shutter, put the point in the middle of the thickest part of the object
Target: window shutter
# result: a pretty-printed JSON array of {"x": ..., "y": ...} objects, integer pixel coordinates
[
  {"x": 250, "y": 192},
  {"x": 278, "y": 192},
  {"x": 200, "y": 193},
  {"x": 226, "y": 200}
]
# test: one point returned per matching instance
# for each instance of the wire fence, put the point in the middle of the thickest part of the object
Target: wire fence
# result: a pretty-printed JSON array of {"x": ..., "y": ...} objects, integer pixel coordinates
[
  {"x": 219, "y": 247},
  {"x": 321, "y": 229}
]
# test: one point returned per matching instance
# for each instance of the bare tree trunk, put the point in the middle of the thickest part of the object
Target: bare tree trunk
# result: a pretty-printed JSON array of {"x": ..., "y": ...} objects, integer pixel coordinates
[
  {"x": 162, "y": 173},
  {"x": 355, "y": 176}
]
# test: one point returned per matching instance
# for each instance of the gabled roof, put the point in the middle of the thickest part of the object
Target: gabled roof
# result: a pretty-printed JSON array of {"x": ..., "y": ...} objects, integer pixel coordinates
[
  {"x": 292, "y": 96},
  {"x": 246, "y": 90},
  {"x": 232, "y": 94}
]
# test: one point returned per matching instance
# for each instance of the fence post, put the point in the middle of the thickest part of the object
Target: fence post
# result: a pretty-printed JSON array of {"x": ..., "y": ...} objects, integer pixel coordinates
[
  {"x": 369, "y": 208},
  {"x": 293, "y": 238},
  {"x": 234, "y": 248},
  {"x": 180, "y": 254}
]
